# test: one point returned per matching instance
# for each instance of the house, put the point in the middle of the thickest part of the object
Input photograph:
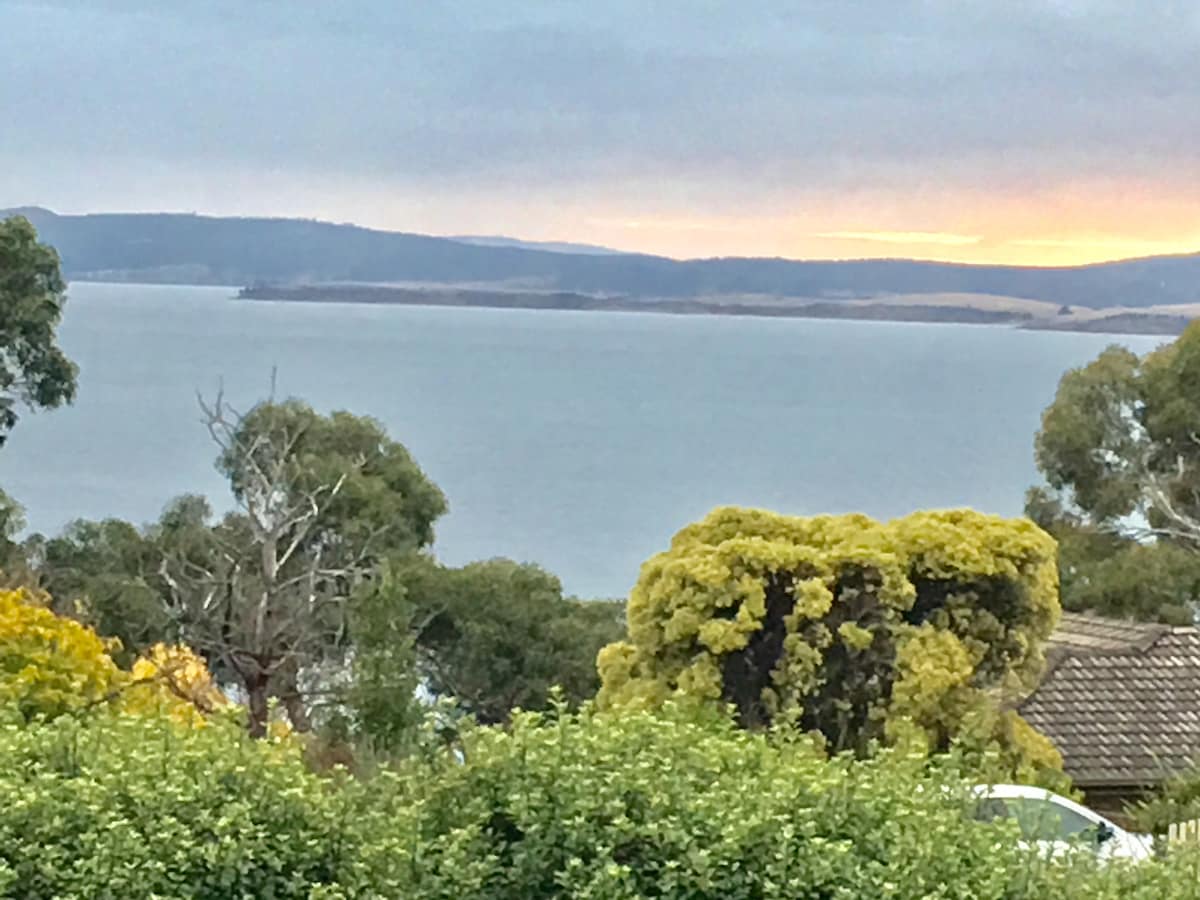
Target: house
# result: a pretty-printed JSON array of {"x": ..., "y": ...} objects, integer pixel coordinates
[{"x": 1121, "y": 702}]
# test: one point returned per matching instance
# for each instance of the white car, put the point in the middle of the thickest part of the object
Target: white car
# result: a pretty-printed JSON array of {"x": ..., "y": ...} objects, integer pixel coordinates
[{"x": 1054, "y": 824}]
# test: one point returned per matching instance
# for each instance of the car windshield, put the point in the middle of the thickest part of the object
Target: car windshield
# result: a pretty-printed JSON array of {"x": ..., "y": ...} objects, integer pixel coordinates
[{"x": 1039, "y": 819}]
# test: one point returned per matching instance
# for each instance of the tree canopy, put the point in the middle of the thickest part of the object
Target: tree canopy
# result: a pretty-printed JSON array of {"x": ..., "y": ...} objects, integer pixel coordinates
[
  {"x": 1114, "y": 574},
  {"x": 262, "y": 592},
  {"x": 106, "y": 574},
  {"x": 1120, "y": 444},
  {"x": 321, "y": 500},
  {"x": 1119, "y": 448},
  {"x": 493, "y": 636},
  {"x": 370, "y": 493},
  {"x": 853, "y": 629},
  {"x": 34, "y": 371}
]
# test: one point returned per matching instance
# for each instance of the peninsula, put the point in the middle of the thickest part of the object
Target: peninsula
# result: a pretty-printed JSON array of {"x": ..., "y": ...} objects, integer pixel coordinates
[{"x": 974, "y": 309}]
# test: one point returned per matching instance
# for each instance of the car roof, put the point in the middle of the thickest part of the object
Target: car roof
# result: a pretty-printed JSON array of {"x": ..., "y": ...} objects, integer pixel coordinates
[
  {"x": 1024, "y": 791},
  {"x": 1013, "y": 790}
]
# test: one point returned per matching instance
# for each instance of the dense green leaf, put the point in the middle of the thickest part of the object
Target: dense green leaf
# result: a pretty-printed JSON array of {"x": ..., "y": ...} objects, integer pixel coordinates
[{"x": 34, "y": 372}]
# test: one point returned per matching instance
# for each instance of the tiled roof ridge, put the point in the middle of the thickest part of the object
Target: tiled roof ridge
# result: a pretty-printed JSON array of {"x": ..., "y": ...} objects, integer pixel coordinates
[
  {"x": 1128, "y": 636},
  {"x": 1120, "y": 711}
]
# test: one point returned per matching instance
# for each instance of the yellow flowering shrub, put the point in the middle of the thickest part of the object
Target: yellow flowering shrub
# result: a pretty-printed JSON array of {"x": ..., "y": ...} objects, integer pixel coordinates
[
  {"x": 51, "y": 665},
  {"x": 172, "y": 680},
  {"x": 858, "y": 630}
]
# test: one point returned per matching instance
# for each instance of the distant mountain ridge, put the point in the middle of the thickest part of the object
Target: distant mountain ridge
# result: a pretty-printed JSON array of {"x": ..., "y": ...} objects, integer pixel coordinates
[{"x": 185, "y": 248}]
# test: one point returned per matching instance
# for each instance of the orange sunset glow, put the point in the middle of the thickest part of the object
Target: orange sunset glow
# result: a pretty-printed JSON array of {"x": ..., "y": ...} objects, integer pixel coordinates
[
  {"x": 1044, "y": 134},
  {"x": 1059, "y": 228}
]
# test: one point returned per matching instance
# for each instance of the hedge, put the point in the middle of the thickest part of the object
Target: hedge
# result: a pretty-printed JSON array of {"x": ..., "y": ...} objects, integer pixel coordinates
[{"x": 581, "y": 806}]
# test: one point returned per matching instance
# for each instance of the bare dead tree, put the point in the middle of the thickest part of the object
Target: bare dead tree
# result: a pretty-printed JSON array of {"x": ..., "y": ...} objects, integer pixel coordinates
[{"x": 263, "y": 591}]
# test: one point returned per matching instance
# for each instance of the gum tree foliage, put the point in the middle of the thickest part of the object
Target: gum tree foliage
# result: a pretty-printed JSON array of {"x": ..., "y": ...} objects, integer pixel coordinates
[
  {"x": 321, "y": 501},
  {"x": 498, "y": 635},
  {"x": 482, "y": 640},
  {"x": 1102, "y": 570},
  {"x": 106, "y": 574},
  {"x": 1120, "y": 451},
  {"x": 856, "y": 630},
  {"x": 1120, "y": 444},
  {"x": 34, "y": 372}
]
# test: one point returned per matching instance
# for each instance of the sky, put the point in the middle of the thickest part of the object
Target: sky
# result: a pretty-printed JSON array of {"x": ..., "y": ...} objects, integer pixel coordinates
[{"x": 1023, "y": 131}]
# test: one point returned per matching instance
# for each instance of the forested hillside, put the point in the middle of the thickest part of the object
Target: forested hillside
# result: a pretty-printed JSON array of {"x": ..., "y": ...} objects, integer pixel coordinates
[{"x": 202, "y": 250}]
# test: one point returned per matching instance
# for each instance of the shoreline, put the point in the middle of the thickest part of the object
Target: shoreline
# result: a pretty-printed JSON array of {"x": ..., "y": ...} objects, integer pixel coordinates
[{"x": 1116, "y": 321}]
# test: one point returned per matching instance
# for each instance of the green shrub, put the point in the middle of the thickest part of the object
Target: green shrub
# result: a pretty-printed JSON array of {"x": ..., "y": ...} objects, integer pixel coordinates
[
  {"x": 125, "y": 807},
  {"x": 580, "y": 806},
  {"x": 640, "y": 805}
]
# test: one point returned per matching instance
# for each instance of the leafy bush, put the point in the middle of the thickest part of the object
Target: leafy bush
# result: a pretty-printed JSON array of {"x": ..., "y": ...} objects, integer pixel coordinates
[
  {"x": 1176, "y": 800},
  {"x": 129, "y": 806},
  {"x": 862, "y": 631},
  {"x": 645, "y": 805},
  {"x": 52, "y": 666},
  {"x": 580, "y": 806},
  {"x": 49, "y": 665}
]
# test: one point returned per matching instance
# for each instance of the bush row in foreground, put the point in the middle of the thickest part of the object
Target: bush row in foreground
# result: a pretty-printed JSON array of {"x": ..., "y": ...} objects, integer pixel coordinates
[{"x": 587, "y": 806}]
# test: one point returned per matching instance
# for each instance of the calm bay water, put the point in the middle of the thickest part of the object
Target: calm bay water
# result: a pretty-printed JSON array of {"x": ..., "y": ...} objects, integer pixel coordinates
[{"x": 581, "y": 441}]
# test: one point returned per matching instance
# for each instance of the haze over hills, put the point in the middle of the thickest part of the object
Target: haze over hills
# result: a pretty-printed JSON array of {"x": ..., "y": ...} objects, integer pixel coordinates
[
  {"x": 186, "y": 248},
  {"x": 493, "y": 240}
]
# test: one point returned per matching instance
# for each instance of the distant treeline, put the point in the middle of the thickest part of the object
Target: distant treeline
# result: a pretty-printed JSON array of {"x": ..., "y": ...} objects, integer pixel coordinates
[
  {"x": 560, "y": 300},
  {"x": 202, "y": 250},
  {"x": 1118, "y": 323}
]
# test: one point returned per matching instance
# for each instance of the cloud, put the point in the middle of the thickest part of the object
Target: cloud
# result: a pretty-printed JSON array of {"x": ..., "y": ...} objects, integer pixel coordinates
[
  {"x": 1115, "y": 247},
  {"x": 630, "y": 110},
  {"x": 903, "y": 237}
]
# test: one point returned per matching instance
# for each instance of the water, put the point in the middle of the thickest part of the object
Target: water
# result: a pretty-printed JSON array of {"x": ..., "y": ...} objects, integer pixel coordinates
[{"x": 581, "y": 441}]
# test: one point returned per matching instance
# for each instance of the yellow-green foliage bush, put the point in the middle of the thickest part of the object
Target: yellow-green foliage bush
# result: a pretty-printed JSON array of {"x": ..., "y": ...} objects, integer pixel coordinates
[
  {"x": 51, "y": 666},
  {"x": 859, "y": 630}
]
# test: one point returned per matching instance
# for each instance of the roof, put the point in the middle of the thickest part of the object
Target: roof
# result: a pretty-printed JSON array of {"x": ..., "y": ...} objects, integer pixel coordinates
[
  {"x": 1081, "y": 632},
  {"x": 1120, "y": 701}
]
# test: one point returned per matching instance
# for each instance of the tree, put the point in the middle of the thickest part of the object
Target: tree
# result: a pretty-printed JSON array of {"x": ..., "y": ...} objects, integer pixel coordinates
[
  {"x": 379, "y": 705},
  {"x": 34, "y": 372},
  {"x": 1120, "y": 444},
  {"x": 494, "y": 636},
  {"x": 12, "y": 555},
  {"x": 1104, "y": 571},
  {"x": 264, "y": 592},
  {"x": 1119, "y": 448},
  {"x": 383, "y": 503},
  {"x": 106, "y": 574},
  {"x": 855, "y": 630}
]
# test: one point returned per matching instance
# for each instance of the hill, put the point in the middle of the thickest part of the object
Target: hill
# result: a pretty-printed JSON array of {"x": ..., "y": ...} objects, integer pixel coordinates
[
  {"x": 490, "y": 240},
  {"x": 183, "y": 248}
]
